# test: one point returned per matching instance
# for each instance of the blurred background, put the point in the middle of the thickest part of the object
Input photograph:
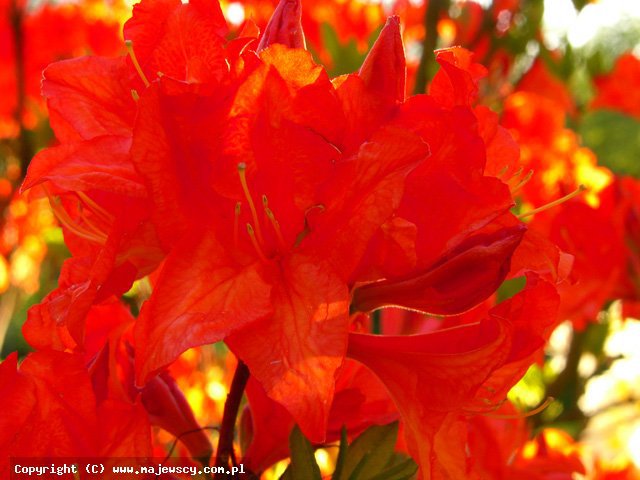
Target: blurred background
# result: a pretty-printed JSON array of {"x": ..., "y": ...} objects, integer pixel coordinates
[{"x": 564, "y": 76}]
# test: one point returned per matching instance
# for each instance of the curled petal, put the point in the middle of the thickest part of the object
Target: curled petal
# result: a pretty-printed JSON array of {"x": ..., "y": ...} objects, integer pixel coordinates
[
  {"x": 465, "y": 277},
  {"x": 284, "y": 27},
  {"x": 384, "y": 71}
]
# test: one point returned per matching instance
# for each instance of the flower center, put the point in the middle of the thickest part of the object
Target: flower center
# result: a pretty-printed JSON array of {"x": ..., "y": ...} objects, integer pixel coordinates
[{"x": 254, "y": 230}]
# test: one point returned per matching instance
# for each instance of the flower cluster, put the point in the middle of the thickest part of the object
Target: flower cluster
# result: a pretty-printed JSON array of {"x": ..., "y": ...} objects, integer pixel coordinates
[{"x": 277, "y": 210}]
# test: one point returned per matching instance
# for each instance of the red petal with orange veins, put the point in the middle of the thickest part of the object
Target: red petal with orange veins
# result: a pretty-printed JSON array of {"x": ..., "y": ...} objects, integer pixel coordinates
[
  {"x": 533, "y": 314},
  {"x": 60, "y": 317},
  {"x": 270, "y": 426},
  {"x": 538, "y": 254},
  {"x": 295, "y": 355},
  {"x": 284, "y": 26},
  {"x": 89, "y": 97},
  {"x": 202, "y": 295},
  {"x": 361, "y": 401},
  {"x": 503, "y": 152},
  {"x": 55, "y": 389},
  {"x": 174, "y": 148},
  {"x": 462, "y": 279},
  {"x": 456, "y": 83},
  {"x": 430, "y": 377},
  {"x": 384, "y": 71},
  {"x": 17, "y": 397},
  {"x": 181, "y": 40},
  {"x": 101, "y": 163},
  {"x": 125, "y": 431},
  {"x": 364, "y": 195}
]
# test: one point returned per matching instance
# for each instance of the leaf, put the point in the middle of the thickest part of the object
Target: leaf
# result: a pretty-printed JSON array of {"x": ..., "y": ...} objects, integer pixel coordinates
[
  {"x": 303, "y": 463},
  {"x": 404, "y": 469},
  {"x": 371, "y": 452},
  {"x": 615, "y": 139},
  {"x": 510, "y": 287},
  {"x": 342, "y": 454}
]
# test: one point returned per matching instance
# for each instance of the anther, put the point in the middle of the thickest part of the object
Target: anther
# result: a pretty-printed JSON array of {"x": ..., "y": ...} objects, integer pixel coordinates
[
  {"x": 134, "y": 95},
  {"x": 255, "y": 243},
  {"x": 555, "y": 203},
  {"x": 132, "y": 54},
  {"x": 275, "y": 225},
  {"x": 242, "y": 173}
]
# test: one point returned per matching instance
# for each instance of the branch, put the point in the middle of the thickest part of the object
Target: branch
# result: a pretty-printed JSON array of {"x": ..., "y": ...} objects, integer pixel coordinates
[
  {"x": 428, "y": 64},
  {"x": 225, "y": 451}
]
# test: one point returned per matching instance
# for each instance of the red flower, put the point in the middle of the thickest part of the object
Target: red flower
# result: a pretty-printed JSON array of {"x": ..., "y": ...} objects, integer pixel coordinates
[
  {"x": 439, "y": 378},
  {"x": 51, "y": 411},
  {"x": 619, "y": 89},
  {"x": 283, "y": 199}
]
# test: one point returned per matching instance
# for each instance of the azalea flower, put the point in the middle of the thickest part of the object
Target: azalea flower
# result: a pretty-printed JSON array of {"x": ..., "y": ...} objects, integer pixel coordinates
[{"x": 279, "y": 205}]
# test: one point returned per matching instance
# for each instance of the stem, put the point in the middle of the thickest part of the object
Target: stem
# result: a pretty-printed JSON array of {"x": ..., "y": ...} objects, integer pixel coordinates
[
  {"x": 225, "y": 441},
  {"x": 428, "y": 64},
  {"x": 568, "y": 386},
  {"x": 25, "y": 149}
]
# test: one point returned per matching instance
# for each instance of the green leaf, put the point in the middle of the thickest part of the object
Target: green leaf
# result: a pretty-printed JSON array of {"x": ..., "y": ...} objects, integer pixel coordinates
[
  {"x": 342, "y": 454},
  {"x": 303, "y": 464},
  {"x": 511, "y": 287},
  {"x": 405, "y": 469},
  {"x": 371, "y": 452},
  {"x": 615, "y": 139}
]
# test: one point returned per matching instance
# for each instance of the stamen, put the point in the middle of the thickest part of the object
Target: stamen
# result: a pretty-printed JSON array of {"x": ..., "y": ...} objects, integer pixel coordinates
[
  {"x": 255, "y": 243},
  {"x": 517, "y": 173},
  {"x": 530, "y": 413},
  {"x": 236, "y": 220},
  {"x": 555, "y": 203},
  {"x": 134, "y": 59},
  {"x": 95, "y": 208},
  {"x": 242, "y": 167},
  {"x": 64, "y": 218},
  {"x": 524, "y": 181},
  {"x": 88, "y": 222},
  {"x": 276, "y": 227},
  {"x": 134, "y": 95},
  {"x": 502, "y": 171}
]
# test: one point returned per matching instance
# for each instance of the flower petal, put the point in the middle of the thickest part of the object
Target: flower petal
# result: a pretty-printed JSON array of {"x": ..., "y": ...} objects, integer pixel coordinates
[{"x": 295, "y": 355}]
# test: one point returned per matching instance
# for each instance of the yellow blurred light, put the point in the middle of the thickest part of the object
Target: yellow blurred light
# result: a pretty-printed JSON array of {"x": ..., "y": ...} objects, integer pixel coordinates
[
  {"x": 196, "y": 399},
  {"x": 564, "y": 142},
  {"x": 530, "y": 449},
  {"x": 235, "y": 13},
  {"x": 557, "y": 439},
  {"x": 216, "y": 391},
  {"x": 447, "y": 31},
  {"x": 4, "y": 274},
  {"x": 24, "y": 271},
  {"x": 34, "y": 246},
  {"x": 277, "y": 470},
  {"x": 190, "y": 356},
  {"x": 323, "y": 459}
]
